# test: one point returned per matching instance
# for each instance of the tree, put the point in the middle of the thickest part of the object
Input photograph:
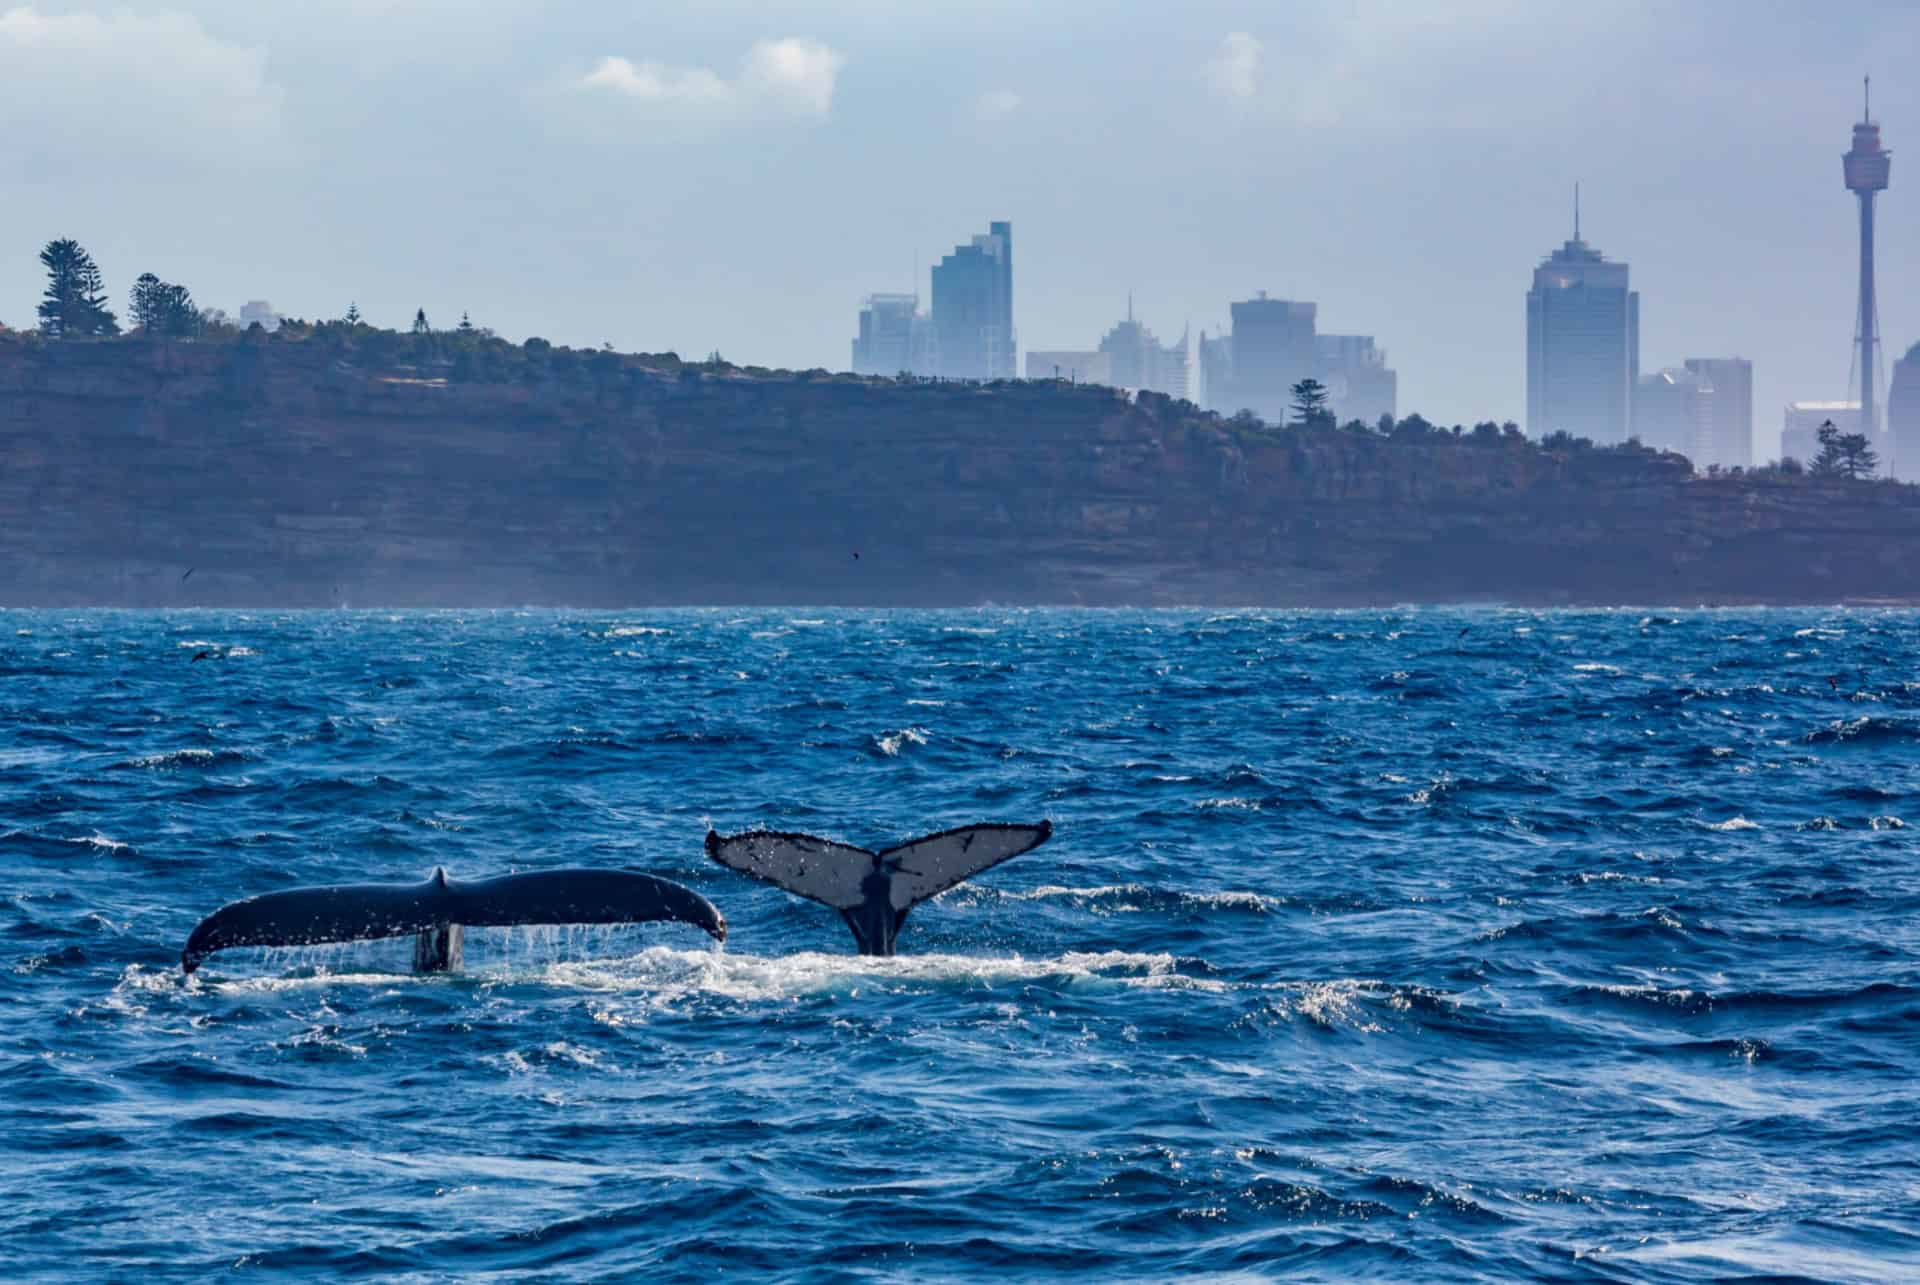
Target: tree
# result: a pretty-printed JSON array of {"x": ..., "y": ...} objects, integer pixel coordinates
[
  {"x": 163, "y": 310},
  {"x": 143, "y": 308},
  {"x": 420, "y": 326},
  {"x": 1845, "y": 455},
  {"x": 466, "y": 327},
  {"x": 76, "y": 301},
  {"x": 1310, "y": 403},
  {"x": 353, "y": 314}
]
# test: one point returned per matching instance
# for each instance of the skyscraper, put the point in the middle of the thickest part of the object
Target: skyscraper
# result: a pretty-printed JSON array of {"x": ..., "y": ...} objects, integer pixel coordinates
[
  {"x": 1729, "y": 441},
  {"x": 1903, "y": 419},
  {"x": 973, "y": 307},
  {"x": 1271, "y": 349},
  {"x": 1673, "y": 411},
  {"x": 894, "y": 336},
  {"x": 1359, "y": 384},
  {"x": 1866, "y": 167},
  {"x": 1141, "y": 361},
  {"x": 1583, "y": 344}
]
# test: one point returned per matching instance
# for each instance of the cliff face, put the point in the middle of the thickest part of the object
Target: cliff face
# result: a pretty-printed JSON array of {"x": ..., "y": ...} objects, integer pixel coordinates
[{"x": 281, "y": 475}]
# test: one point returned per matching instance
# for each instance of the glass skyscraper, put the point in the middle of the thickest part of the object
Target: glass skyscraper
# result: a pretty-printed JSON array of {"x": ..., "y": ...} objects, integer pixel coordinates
[
  {"x": 1583, "y": 346},
  {"x": 973, "y": 307}
]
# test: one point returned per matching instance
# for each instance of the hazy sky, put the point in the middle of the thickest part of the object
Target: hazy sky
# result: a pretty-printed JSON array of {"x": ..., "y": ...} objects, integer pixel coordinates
[{"x": 737, "y": 175}]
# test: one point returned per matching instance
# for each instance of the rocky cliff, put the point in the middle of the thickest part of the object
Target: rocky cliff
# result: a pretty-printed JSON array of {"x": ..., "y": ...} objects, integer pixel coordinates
[{"x": 285, "y": 473}]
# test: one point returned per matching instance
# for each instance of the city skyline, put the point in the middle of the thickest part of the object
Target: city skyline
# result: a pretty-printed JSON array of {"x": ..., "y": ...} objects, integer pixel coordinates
[{"x": 638, "y": 178}]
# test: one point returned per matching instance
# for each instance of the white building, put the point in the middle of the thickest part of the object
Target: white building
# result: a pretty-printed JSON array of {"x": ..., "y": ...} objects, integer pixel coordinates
[
  {"x": 1673, "y": 411},
  {"x": 1800, "y": 435}
]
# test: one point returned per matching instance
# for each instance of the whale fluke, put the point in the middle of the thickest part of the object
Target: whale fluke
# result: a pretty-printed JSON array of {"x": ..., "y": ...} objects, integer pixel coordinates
[
  {"x": 437, "y": 910},
  {"x": 873, "y": 891}
]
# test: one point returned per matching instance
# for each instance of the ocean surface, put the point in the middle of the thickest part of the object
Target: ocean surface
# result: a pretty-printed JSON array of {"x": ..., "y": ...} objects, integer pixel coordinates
[{"x": 1420, "y": 944}]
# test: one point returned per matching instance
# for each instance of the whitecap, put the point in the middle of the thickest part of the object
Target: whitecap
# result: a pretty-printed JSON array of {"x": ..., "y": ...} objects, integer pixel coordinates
[{"x": 1732, "y": 823}]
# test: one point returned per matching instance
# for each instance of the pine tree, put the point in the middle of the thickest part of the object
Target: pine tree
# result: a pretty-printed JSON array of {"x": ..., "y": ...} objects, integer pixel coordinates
[
  {"x": 466, "y": 327},
  {"x": 160, "y": 309},
  {"x": 143, "y": 308},
  {"x": 1847, "y": 455},
  {"x": 353, "y": 314},
  {"x": 420, "y": 326},
  {"x": 76, "y": 302},
  {"x": 1310, "y": 402}
]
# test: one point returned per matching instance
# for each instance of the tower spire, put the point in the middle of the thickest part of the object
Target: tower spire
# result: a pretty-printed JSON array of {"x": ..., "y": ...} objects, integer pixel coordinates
[
  {"x": 1866, "y": 109},
  {"x": 1576, "y": 209}
]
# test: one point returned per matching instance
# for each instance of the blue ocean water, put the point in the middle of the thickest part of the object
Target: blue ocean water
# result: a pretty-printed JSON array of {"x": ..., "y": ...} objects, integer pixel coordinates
[{"x": 1404, "y": 944}]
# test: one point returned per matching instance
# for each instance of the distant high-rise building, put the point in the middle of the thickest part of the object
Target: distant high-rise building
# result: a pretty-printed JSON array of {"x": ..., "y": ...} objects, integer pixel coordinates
[
  {"x": 1730, "y": 438},
  {"x": 1271, "y": 349},
  {"x": 259, "y": 310},
  {"x": 1800, "y": 434},
  {"x": 1903, "y": 419},
  {"x": 1216, "y": 373},
  {"x": 1866, "y": 167},
  {"x": 1583, "y": 344},
  {"x": 1140, "y": 361},
  {"x": 1359, "y": 384},
  {"x": 973, "y": 307},
  {"x": 894, "y": 336},
  {"x": 1078, "y": 366},
  {"x": 1673, "y": 411}
]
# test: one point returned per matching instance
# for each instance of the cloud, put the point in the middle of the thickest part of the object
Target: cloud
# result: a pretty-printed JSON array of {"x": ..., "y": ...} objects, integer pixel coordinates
[
  {"x": 793, "y": 77},
  {"x": 996, "y": 104},
  {"x": 75, "y": 88},
  {"x": 1234, "y": 71}
]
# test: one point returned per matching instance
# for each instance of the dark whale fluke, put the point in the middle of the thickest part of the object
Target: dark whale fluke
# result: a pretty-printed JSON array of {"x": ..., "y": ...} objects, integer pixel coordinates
[
  {"x": 438, "y": 909},
  {"x": 873, "y": 891}
]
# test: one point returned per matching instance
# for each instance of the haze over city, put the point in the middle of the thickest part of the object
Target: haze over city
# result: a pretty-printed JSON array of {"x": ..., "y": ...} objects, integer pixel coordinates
[{"x": 725, "y": 177}]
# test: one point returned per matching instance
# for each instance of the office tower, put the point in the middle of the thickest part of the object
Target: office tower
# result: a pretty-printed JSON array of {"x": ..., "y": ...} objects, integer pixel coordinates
[
  {"x": 1273, "y": 349},
  {"x": 1730, "y": 438},
  {"x": 1141, "y": 361},
  {"x": 1673, "y": 411},
  {"x": 1359, "y": 384},
  {"x": 1216, "y": 373},
  {"x": 1255, "y": 368},
  {"x": 1583, "y": 344},
  {"x": 1075, "y": 365},
  {"x": 973, "y": 307},
  {"x": 1866, "y": 167},
  {"x": 1903, "y": 419},
  {"x": 1800, "y": 434},
  {"x": 894, "y": 336}
]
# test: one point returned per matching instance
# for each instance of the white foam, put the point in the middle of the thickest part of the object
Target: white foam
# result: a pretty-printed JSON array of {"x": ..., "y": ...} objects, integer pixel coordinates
[
  {"x": 1733, "y": 823},
  {"x": 889, "y": 743}
]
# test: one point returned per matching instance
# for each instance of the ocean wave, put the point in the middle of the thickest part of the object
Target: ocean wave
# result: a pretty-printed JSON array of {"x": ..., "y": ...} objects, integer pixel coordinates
[
  {"x": 1868, "y": 729},
  {"x": 193, "y": 757},
  {"x": 1120, "y": 898}
]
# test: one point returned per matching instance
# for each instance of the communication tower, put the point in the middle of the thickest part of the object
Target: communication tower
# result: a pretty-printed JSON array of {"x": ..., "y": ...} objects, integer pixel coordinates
[{"x": 1866, "y": 168}]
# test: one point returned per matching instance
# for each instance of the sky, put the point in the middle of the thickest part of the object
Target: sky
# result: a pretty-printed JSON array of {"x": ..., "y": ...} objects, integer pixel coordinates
[{"x": 734, "y": 176}]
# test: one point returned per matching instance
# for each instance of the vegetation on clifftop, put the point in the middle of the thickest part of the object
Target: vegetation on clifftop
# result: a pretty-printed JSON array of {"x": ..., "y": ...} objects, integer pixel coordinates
[{"x": 74, "y": 310}]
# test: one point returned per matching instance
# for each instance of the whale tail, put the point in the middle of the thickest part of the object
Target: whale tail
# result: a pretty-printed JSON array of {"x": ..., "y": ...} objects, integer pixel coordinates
[
  {"x": 873, "y": 891},
  {"x": 435, "y": 912}
]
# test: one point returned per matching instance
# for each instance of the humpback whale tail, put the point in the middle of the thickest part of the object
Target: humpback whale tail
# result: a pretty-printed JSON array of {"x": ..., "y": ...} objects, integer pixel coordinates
[
  {"x": 436, "y": 911},
  {"x": 873, "y": 891}
]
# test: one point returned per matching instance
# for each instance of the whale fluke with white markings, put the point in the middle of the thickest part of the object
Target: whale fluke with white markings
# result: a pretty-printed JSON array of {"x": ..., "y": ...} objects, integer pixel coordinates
[
  {"x": 435, "y": 912},
  {"x": 873, "y": 891}
]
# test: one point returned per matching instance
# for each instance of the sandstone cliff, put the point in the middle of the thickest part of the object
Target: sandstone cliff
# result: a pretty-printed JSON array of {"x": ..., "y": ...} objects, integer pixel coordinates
[{"x": 293, "y": 474}]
